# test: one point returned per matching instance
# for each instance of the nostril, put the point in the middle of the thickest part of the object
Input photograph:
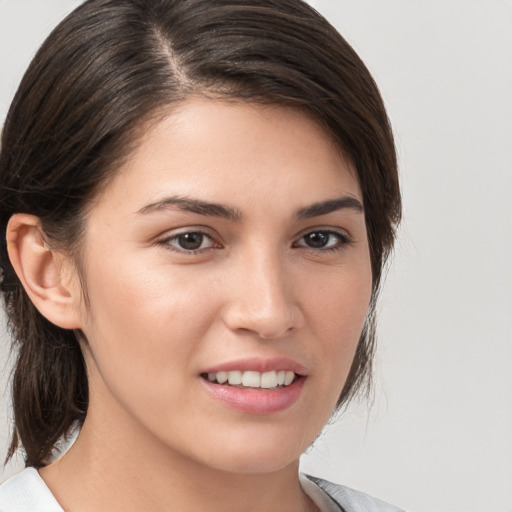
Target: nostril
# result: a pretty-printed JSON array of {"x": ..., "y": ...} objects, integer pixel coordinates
[
  {"x": 265, "y": 327},
  {"x": 270, "y": 335}
]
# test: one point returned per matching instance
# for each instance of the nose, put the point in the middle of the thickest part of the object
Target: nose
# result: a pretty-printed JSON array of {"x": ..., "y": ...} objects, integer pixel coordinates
[{"x": 262, "y": 299}]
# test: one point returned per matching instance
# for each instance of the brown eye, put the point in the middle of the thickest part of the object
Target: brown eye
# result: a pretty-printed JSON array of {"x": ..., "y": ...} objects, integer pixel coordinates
[
  {"x": 317, "y": 239},
  {"x": 190, "y": 241}
]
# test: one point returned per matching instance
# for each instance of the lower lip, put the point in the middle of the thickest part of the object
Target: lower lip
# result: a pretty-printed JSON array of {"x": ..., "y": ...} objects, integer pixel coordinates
[{"x": 257, "y": 401}]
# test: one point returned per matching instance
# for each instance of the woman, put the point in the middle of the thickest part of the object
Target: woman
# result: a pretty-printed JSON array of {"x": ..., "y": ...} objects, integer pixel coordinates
[{"x": 198, "y": 198}]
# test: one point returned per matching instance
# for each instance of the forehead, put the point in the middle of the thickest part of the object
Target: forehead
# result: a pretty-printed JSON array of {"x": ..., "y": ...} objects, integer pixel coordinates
[{"x": 233, "y": 152}]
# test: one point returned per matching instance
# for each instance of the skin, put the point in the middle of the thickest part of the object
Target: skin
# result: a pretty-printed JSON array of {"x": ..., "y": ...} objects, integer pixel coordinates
[{"x": 154, "y": 438}]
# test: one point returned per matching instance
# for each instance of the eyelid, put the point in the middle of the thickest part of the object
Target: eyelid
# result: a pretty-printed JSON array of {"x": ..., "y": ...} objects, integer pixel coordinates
[
  {"x": 344, "y": 237},
  {"x": 326, "y": 229},
  {"x": 176, "y": 233}
]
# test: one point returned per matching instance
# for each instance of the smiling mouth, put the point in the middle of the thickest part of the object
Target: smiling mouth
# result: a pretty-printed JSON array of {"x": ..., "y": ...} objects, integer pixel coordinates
[{"x": 252, "y": 379}]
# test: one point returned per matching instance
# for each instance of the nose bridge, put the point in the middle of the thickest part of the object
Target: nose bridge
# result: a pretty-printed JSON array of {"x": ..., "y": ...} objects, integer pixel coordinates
[{"x": 262, "y": 297}]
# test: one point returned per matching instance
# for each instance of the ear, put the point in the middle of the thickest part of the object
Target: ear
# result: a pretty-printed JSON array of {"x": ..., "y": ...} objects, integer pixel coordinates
[{"x": 47, "y": 275}]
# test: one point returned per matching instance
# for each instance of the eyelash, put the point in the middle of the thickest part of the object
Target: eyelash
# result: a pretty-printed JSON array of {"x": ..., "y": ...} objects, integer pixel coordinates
[
  {"x": 166, "y": 242},
  {"x": 343, "y": 241}
]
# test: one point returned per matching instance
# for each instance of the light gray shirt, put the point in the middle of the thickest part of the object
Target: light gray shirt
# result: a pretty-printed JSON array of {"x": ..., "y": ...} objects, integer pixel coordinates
[{"x": 27, "y": 492}]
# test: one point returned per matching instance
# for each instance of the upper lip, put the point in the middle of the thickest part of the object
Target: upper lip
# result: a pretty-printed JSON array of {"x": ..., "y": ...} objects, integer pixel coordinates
[{"x": 257, "y": 364}]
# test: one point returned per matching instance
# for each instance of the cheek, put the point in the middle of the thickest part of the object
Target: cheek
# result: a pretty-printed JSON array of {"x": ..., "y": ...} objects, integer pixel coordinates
[
  {"x": 340, "y": 301},
  {"x": 144, "y": 330},
  {"x": 145, "y": 322},
  {"x": 337, "y": 309}
]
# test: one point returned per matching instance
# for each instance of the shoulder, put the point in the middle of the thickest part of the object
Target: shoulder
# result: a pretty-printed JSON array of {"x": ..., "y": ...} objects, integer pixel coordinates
[
  {"x": 350, "y": 500},
  {"x": 27, "y": 491}
]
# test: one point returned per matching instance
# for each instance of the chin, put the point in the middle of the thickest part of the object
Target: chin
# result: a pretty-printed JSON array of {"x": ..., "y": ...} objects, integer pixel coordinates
[
  {"x": 257, "y": 466},
  {"x": 257, "y": 457}
]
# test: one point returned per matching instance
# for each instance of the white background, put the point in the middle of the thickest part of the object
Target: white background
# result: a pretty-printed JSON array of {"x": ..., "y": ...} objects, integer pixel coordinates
[{"x": 439, "y": 435}]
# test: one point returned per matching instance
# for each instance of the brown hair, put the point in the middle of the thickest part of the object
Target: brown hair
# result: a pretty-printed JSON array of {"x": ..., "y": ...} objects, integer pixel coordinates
[{"x": 102, "y": 73}]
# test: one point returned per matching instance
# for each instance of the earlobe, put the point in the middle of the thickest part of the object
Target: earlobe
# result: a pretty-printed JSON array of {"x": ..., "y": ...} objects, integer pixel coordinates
[{"x": 41, "y": 272}]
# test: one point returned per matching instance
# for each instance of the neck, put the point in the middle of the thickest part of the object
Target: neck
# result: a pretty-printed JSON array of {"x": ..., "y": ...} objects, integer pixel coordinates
[{"x": 135, "y": 472}]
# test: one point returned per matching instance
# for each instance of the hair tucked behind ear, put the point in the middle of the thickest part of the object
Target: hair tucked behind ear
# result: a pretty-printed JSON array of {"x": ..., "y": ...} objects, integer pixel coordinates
[{"x": 107, "y": 70}]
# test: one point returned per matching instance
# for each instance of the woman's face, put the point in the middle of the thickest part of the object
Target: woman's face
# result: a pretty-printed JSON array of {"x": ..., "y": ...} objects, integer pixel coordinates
[{"x": 230, "y": 245}]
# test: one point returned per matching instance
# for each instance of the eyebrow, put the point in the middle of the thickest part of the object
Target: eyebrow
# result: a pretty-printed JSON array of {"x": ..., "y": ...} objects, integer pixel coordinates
[
  {"x": 194, "y": 206},
  {"x": 329, "y": 206},
  {"x": 218, "y": 210}
]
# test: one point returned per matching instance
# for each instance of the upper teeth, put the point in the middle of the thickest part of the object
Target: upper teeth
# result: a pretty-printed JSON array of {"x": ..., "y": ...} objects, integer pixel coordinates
[{"x": 253, "y": 379}]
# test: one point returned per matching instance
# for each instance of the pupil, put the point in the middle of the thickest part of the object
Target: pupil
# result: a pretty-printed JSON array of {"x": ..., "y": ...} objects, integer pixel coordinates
[
  {"x": 317, "y": 239},
  {"x": 191, "y": 241}
]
